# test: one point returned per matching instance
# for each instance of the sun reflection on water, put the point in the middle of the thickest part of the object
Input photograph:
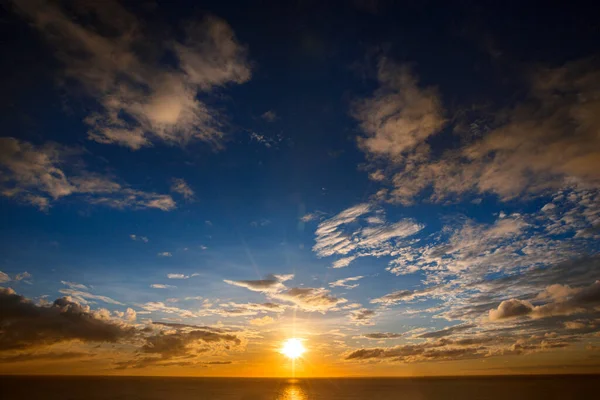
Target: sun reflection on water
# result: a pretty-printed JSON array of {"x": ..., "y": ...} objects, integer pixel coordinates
[{"x": 293, "y": 390}]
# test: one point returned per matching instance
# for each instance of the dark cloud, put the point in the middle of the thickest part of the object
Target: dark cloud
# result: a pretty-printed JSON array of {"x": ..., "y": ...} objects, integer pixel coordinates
[
  {"x": 446, "y": 332},
  {"x": 383, "y": 335},
  {"x": 27, "y": 325},
  {"x": 272, "y": 283},
  {"x": 362, "y": 316},
  {"x": 50, "y": 356}
]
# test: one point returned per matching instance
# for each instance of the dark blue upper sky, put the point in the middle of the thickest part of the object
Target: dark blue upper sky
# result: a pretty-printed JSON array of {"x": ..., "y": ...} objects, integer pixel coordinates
[{"x": 401, "y": 159}]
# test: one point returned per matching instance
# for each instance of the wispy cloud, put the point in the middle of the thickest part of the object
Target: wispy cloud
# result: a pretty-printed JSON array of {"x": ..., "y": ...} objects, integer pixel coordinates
[
  {"x": 39, "y": 175},
  {"x": 181, "y": 186},
  {"x": 345, "y": 283},
  {"x": 269, "y": 116},
  {"x": 162, "y": 286},
  {"x": 164, "y": 254},
  {"x": 140, "y": 238}
]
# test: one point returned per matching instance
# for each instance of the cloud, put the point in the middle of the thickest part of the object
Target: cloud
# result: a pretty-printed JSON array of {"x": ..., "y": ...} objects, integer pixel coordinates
[
  {"x": 344, "y": 282},
  {"x": 140, "y": 238},
  {"x": 408, "y": 295},
  {"x": 48, "y": 356},
  {"x": 269, "y": 116},
  {"x": 140, "y": 99},
  {"x": 39, "y": 175},
  {"x": 360, "y": 231},
  {"x": 569, "y": 301},
  {"x": 181, "y": 345},
  {"x": 400, "y": 115},
  {"x": 157, "y": 306},
  {"x": 271, "y": 284},
  {"x": 27, "y": 325},
  {"x": 22, "y": 276},
  {"x": 383, "y": 335},
  {"x": 86, "y": 297},
  {"x": 266, "y": 320},
  {"x": 178, "y": 276},
  {"x": 343, "y": 262},
  {"x": 180, "y": 186},
  {"x": 447, "y": 332},
  {"x": 310, "y": 299},
  {"x": 543, "y": 143},
  {"x": 74, "y": 285},
  {"x": 362, "y": 316},
  {"x": 164, "y": 254},
  {"x": 161, "y": 286}
]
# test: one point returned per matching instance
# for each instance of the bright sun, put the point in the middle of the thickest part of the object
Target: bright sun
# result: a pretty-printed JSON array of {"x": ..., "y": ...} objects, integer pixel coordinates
[{"x": 293, "y": 348}]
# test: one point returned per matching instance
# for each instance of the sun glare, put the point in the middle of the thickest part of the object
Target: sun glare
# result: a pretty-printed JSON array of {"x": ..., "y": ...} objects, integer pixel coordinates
[{"x": 293, "y": 348}]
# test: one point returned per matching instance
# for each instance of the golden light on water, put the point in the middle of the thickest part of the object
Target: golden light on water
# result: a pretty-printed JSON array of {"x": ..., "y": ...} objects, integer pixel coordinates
[{"x": 293, "y": 348}]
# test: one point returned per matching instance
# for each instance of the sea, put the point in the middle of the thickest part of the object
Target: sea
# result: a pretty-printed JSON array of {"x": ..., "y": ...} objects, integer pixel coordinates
[{"x": 151, "y": 388}]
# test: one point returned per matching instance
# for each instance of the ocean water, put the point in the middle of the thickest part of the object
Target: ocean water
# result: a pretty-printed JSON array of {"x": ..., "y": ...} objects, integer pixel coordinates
[{"x": 130, "y": 388}]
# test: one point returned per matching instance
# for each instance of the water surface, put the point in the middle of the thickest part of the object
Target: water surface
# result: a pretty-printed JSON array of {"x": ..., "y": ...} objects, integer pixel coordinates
[{"x": 147, "y": 388}]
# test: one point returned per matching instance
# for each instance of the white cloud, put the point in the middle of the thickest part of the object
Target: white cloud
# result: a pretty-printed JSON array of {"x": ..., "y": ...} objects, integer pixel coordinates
[
  {"x": 162, "y": 286},
  {"x": 74, "y": 285},
  {"x": 400, "y": 115},
  {"x": 345, "y": 282},
  {"x": 4, "y": 277},
  {"x": 178, "y": 276},
  {"x": 343, "y": 262},
  {"x": 140, "y": 238},
  {"x": 361, "y": 231},
  {"x": 157, "y": 306},
  {"x": 141, "y": 100},
  {"x": 164, "y": 254},
  {"x": 86, "y": 297},
  {"x": 541, "y": 144}
]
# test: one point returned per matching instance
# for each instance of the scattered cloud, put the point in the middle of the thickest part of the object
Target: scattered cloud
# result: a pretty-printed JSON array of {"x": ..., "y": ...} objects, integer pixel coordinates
[
  {"x": 309, "y": 299},
  {"x": 86, "y": 297},
  {"x": 266, "y": 320},
  {"x": 140, "y": 238},
  {"x": 162, "y": 286},
  {"x": 269, "y": 116},
  {"x": 181, "y": 187},
  {"x": 560, "y": 144},
  {"x": 164, "y": 254},
  {"x": 345, "y": 282},
  {"x": 363, "y": 316},
  {"x": 271, "y": 284},
  {"x": 178, "y": 276},
  {"x": 75, "y": 285},
  {"x": 39, "y": 175},
  {"x": 383, "y": 335},
  {"x": 140, "y": 100},
  {"x": 360, "y": 231}
]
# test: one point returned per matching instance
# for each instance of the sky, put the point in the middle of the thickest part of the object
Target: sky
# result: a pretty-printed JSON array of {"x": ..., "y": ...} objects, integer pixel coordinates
[{"x": 409, "y": 189}]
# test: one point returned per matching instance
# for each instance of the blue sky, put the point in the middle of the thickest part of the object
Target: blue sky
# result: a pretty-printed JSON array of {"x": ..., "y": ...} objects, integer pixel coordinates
[{"x": 368, "y": 175}]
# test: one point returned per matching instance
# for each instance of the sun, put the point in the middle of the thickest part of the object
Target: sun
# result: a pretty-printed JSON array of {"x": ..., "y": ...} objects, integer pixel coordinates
[{"x": 293, "y": 348}]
